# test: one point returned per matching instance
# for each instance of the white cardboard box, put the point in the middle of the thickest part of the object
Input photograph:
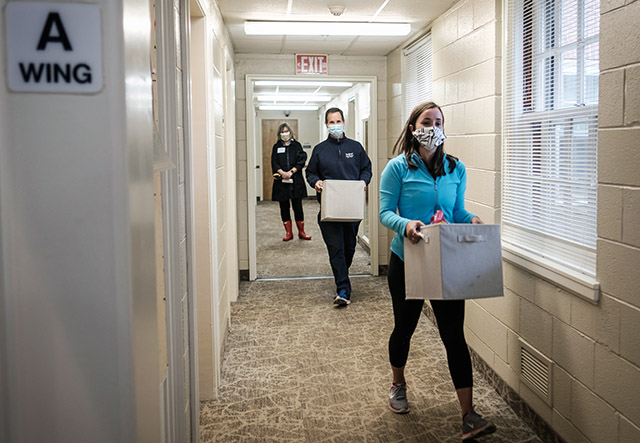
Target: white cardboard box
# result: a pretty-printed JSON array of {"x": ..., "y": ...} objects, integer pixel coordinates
[
  {"x": 342, "y": 200},
  {"x": 454, "y": 261}
]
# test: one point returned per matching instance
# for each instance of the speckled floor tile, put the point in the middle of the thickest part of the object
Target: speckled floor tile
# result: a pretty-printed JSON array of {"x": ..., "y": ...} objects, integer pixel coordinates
[{"x": 298, "y": 369}]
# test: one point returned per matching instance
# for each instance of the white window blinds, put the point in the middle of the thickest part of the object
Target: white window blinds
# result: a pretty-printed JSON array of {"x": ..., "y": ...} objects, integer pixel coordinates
[
  {"x": 417, "y": 74},
  {"x": 550, "y": 131}
]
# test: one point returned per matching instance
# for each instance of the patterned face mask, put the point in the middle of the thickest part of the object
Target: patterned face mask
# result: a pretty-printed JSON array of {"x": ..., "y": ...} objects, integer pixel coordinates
[
  {"x": 430, "y": 138},
  {"x": 285, "y": 136}
]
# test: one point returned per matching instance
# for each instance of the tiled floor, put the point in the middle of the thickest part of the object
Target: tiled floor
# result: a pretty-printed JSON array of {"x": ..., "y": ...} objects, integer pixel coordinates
[{"x": 297, "y": 369}]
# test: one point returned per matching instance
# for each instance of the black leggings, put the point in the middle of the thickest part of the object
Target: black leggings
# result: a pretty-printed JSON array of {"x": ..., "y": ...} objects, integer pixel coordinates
[
  {"x": 450, "y": 318},
  {"x": 297, "y": 210}
]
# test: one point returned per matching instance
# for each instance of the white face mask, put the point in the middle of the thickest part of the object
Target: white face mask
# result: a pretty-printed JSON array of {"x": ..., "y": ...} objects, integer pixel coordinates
[
  {"x": 430, "y": 137},
  {"x": 336, "y": 130},
  {"x": 285, "y": 136}
]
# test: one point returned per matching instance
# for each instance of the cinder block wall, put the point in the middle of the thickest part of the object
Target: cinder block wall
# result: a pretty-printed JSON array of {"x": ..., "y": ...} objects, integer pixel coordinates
[
  {"x": 595, "y": 348},
  {"x": 466, "y": 84},
  {"x": 614, "y": 325}
]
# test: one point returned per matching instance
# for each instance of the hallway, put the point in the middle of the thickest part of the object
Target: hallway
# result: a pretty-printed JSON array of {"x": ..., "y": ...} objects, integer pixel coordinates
[
  {"x": 297, "y": 369},
  {"x": 145, "y": 299}
]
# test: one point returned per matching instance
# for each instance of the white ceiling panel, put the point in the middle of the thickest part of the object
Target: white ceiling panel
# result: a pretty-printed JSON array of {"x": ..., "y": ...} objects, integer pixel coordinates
[
  {"x": 353, "y": 8},
  {"x": 424, "y": 10},
  {"x": 261, "y": 6},
  {"x": 418, "y": 13},
  {"x": 297, "y": 47}
]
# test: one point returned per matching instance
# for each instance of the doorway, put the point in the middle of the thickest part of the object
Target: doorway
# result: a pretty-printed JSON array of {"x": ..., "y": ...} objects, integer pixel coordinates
[{"x": 259, "y": 194}]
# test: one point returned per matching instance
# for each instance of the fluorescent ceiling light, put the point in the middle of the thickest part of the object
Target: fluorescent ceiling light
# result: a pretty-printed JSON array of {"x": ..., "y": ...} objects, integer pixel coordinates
[
  {"x": 327, "y": 28},
  {"x": 293, "y": 98},
  {"x": 288, "y": 108},
  {"x": 301, "y": 83}
]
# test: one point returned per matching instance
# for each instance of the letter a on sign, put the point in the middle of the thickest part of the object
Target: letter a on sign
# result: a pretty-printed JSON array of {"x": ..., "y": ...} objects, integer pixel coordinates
[{"x": 54, "y": 19}]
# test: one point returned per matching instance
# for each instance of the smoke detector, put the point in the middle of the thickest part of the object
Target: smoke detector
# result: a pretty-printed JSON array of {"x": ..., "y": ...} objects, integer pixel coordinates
[{"x": 336, "y": 10}]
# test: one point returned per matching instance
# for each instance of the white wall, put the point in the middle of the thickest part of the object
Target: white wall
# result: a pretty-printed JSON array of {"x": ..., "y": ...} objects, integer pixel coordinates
[
  {"x": 79, "y": 326},
  {"x": 218, "y": 268},
  {"x": 361, "y": 93}
]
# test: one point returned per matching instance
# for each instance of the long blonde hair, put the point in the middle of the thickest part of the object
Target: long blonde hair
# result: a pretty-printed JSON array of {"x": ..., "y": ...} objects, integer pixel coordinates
[{"x": 408, "y": 145}]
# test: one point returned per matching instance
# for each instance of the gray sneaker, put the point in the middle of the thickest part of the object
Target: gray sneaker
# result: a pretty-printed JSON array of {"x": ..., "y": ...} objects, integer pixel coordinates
[
  {"x": 474, "y": 426},
  {"x": 398, "y": 398}
]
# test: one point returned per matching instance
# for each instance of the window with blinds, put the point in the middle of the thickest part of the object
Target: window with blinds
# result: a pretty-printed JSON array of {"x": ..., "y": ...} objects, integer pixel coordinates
[
  {"x": 550, "y": 132},
  {"x": 417, "y": 74}
]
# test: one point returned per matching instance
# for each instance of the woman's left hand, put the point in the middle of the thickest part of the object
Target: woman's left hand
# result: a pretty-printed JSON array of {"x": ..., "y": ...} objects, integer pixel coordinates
[{"x": 476, "y": 221}]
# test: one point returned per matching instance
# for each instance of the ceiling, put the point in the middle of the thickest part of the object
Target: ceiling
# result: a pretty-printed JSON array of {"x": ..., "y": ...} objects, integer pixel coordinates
[
  {"x": 292, "y": 93},
  {"x": 418, "y": 13}
]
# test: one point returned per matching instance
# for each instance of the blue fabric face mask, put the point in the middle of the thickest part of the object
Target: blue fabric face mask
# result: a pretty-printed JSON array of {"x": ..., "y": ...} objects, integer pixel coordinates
[{"x": 336, "y": 130}]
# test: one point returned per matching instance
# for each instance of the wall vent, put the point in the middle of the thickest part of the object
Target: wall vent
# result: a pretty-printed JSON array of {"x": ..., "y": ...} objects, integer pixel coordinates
[{"x": 536, "y": 371}]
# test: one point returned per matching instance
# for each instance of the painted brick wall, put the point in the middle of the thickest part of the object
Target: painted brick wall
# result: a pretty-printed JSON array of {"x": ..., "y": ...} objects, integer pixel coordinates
[{"x": 594, "y": 347}]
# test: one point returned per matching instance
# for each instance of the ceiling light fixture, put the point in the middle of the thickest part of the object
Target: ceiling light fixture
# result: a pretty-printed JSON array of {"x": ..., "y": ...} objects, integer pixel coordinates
[
  {"x": 293, "y": 98},
  {"x": 288, "y": 108},
  {"x": 302, "y": 83},
  {"x": 327, "y": 28}
]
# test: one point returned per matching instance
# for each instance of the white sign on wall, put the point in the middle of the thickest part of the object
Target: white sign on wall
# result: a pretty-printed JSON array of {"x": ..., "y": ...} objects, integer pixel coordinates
[{"x": 54, "y": 47}]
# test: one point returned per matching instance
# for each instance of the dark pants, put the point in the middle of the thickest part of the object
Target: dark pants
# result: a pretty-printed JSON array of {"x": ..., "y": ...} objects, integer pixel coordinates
[
  {"x": 285, "y": 214},
  {"x": 340, "y": 238},
  {"x": 449, "y": 316}
]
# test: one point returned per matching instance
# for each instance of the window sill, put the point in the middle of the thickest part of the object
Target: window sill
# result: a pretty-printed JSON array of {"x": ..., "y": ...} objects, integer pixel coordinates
[{"x": 583, "y": 286}]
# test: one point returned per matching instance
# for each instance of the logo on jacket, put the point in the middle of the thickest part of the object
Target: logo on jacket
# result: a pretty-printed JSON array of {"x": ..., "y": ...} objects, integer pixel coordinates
[{"x": 348, "y": 155}]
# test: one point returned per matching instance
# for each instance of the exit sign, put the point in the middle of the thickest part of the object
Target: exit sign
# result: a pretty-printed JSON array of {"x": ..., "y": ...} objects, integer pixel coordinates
[{"x": 311, "y": 64}]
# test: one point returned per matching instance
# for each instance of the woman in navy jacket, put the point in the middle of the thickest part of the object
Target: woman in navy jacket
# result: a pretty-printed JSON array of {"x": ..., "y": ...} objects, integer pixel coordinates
[{"x": 287, "y": 160}]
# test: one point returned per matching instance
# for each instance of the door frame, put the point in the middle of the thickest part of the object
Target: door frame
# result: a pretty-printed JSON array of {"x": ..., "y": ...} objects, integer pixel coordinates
[
  {"x": 251, "y": 160},
  {"x": 171, "y": 89}
]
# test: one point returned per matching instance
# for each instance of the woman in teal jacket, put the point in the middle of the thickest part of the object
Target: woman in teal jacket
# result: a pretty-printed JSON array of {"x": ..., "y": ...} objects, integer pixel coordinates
[{"x": 414, "y": 185}]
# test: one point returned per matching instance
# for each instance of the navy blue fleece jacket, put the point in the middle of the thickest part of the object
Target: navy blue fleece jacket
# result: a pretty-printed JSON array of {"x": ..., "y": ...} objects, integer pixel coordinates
[{"x": 338, "y": 159}]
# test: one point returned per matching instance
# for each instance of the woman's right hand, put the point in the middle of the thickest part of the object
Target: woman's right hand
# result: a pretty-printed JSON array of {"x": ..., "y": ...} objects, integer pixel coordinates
[
  {"x": 318, "y": 186},
  {"x": 285, "y": 174},
  {"x": 412, "y": 231}
]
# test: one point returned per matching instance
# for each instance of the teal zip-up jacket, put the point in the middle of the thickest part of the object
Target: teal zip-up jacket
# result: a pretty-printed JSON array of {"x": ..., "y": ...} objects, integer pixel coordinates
[{"x": 412, "y": 194}]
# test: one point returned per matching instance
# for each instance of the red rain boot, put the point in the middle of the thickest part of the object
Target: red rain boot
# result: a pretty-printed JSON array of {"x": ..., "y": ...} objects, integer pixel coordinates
[
  {"x": 287, "y": 227},
  {"x": 301, "y": 233}
]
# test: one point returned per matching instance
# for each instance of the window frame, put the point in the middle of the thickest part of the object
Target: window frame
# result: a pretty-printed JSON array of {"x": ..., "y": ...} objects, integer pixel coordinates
[{"x": 539, "y": 109}]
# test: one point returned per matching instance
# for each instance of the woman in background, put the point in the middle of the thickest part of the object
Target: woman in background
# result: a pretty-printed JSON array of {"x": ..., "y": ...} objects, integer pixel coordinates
[
  {"x": 413, "y": 186},
  {"x": 287, "y": 160}
]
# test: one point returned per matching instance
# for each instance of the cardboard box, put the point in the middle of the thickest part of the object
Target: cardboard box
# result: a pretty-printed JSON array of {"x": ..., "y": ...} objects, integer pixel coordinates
[
  {"x": 454, "y": 261},
  {"x": 342, "y": 200}
]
